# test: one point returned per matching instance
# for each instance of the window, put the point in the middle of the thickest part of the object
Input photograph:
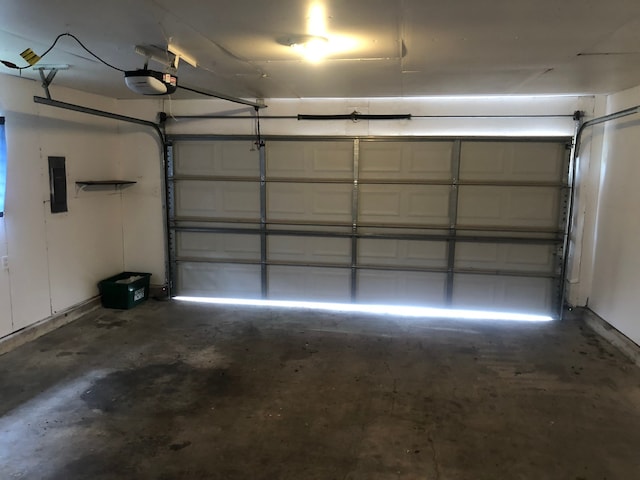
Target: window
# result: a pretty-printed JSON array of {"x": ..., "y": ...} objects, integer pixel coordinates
[{"x": 3, "y": 166}]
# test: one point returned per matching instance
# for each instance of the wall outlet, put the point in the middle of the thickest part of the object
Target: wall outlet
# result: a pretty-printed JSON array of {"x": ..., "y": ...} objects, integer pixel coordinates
[{"x": 4, "y": 261}]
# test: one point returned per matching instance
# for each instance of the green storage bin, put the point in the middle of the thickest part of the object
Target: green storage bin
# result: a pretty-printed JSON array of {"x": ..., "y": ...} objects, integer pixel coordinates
[{"x": 125, "y": 290}]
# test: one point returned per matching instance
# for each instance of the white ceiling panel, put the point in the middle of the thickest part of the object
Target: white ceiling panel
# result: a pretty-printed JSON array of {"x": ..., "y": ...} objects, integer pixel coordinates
[
  {"x": 377, "y": 47},
  {"x": 371, "y": 27},
  {"x": 484, "y": 81},
  {"x": 506, "y": 34},
  {"x": 626, "y": 39},
  {"x": 602, "y": 73},
  {"x": 346, "y": 76}
]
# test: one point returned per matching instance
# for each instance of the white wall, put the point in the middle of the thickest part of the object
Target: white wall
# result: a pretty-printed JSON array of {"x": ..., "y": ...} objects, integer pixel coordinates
[
  {"x": 55, "y": 260},
  {"x": 615, "y": 279},
  {"x": 142, "y": 214}
]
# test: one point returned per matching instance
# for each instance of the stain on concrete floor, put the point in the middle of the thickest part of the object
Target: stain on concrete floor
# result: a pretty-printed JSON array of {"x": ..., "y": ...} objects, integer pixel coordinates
[{"x": 169, "y": 391}]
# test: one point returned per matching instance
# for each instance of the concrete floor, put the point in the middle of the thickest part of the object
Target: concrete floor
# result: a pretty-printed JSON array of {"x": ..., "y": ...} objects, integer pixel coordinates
[{"x": 175, "y": 391}]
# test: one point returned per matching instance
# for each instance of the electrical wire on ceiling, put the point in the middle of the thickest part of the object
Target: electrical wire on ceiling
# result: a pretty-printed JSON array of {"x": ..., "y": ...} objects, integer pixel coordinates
[
  {"x": 16, "y": 67},
  {"x": 32, "y": 59}
]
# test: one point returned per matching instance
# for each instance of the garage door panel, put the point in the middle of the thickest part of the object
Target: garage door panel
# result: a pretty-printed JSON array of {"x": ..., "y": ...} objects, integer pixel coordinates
[
  {"x": 285, "y": 201},
  {"x": 230, "y": 158},
  {"x": 401, "y": 288},
  {"x": 506, "y": 257},
  {"x": 503, "y": 293},
  {"x": 310, "y": 159},
  {"x": 512, "y": 161},
  {"x": 385, "y": 252},
  {"x": 218, "y": 245},
  {"x": 217, "y": 199},
  {"x": 309, "y": 283},
  {"x": 309, "y": 249},
  {"x": 219, "y": 280},
  {"x": 380, "y": 203},
  {"x": 510, "y": 187},
  {"x": 535, "y": 207},
  {"x": 405, "y": 160},
  {"x": 309, "y": 202},
  {"x": 404, "y": 204}
]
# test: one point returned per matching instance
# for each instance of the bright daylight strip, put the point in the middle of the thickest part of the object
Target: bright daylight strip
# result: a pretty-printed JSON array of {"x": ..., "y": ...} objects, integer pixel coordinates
[{"x": 403, "y": 311}]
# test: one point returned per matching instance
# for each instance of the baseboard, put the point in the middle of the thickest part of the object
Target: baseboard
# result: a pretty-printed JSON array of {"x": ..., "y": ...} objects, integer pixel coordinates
[
  {"x": 27, "y": 334},
  {"x": 612, "y": 335}
]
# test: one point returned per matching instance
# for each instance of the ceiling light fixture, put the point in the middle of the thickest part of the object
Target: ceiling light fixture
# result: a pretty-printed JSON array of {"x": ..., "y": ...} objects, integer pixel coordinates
[
  {"x": 312, "y": 47},
  {"x": 318, "y": 43}
]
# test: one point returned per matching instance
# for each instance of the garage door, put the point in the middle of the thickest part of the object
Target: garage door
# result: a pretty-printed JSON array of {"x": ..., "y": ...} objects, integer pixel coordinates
[{"x": 466, "y": 223}]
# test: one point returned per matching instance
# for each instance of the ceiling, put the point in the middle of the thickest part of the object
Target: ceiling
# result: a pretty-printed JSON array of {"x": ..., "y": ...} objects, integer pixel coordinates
[{"x": 382, "y": 48}]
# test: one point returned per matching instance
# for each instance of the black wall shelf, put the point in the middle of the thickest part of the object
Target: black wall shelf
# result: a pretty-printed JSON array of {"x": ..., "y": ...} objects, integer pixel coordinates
[{"x": 101, "y": 184}]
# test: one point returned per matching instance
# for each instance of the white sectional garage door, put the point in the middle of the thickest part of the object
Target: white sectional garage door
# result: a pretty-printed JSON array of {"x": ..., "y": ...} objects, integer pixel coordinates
[{"x": 466, "y": 223}]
